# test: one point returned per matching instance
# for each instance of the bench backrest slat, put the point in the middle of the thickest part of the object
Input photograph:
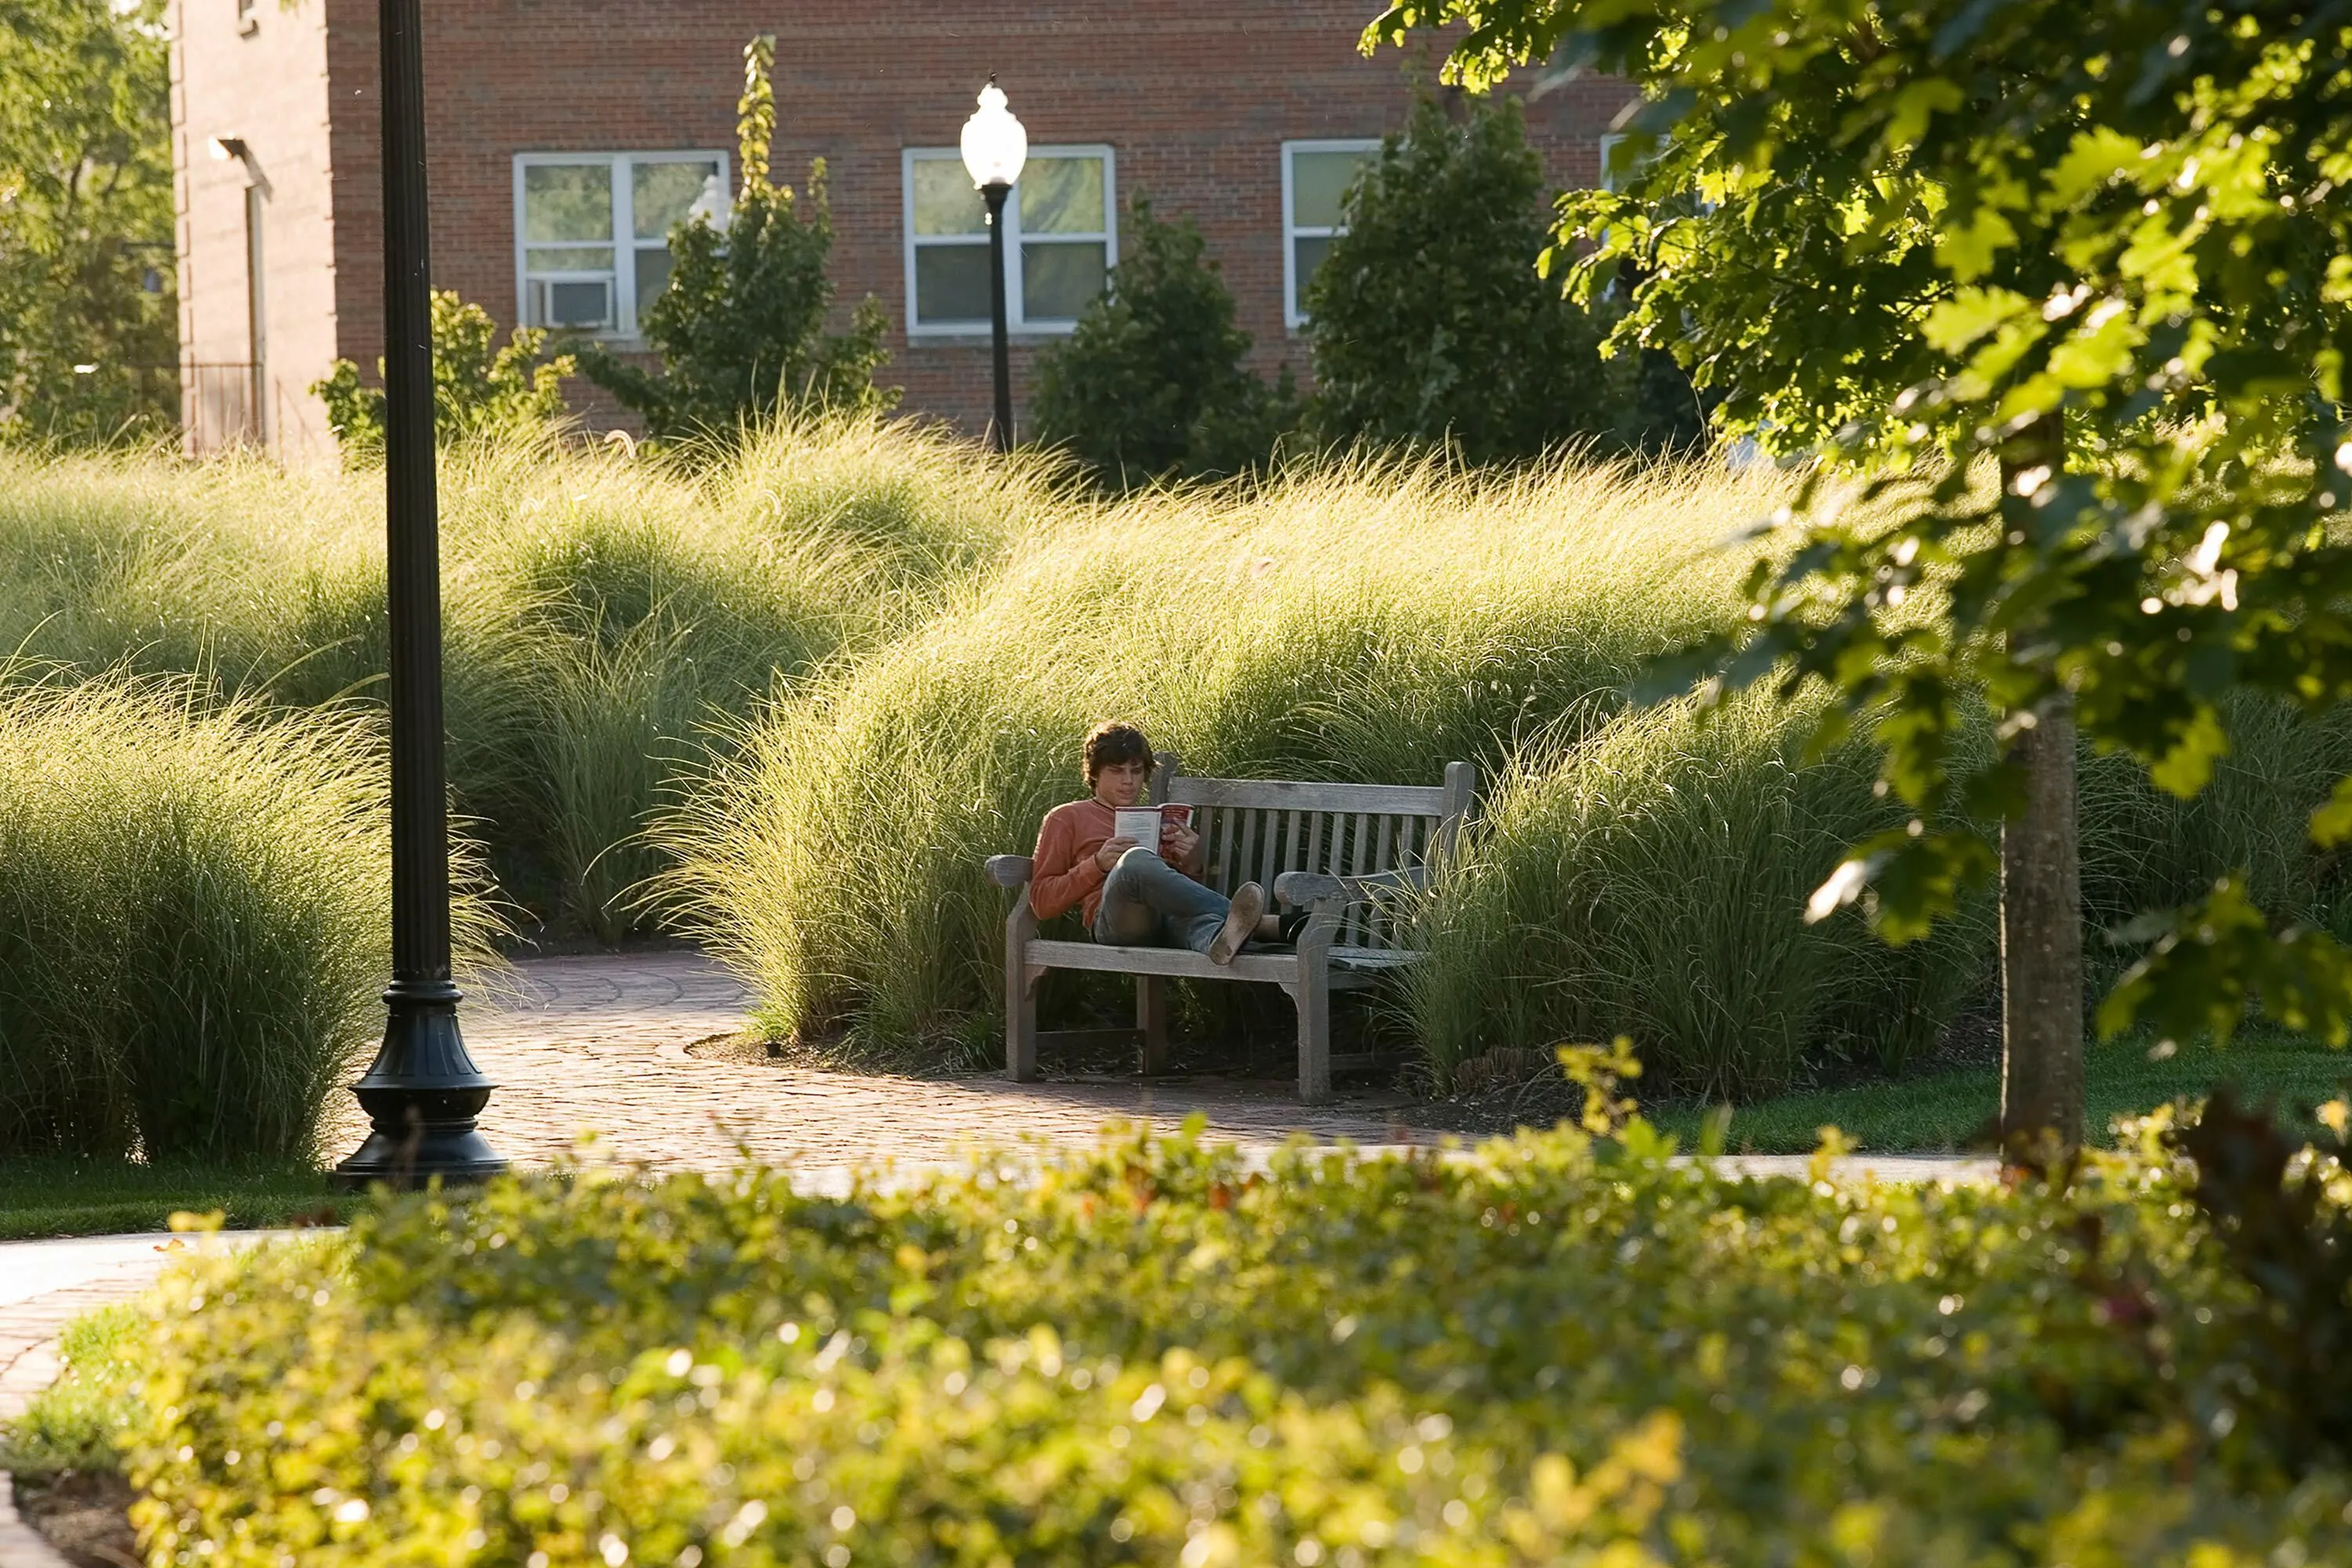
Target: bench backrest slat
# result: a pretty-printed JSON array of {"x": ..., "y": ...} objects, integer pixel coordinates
[
  {"x": 1408, "y": 799},
  {"x": 1256, "y": 829}
]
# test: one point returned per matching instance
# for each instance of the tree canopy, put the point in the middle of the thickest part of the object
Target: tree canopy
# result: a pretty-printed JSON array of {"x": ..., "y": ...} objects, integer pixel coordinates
[
  {"x": 87, "y": 329},
  {"x": 1426, "y": 319},
  {"x": 1152, "y": 384},
  {"x": 2104, "y": 241}
]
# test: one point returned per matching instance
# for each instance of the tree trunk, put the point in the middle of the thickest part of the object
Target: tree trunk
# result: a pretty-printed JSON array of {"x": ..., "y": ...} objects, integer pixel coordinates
[
  {"x": 2041, "y": 947},
  {"x": 2042, "y": 906}
]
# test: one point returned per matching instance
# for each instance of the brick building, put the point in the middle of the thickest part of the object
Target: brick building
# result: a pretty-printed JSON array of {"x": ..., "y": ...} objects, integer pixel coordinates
[{"x": 565, "y": 135}]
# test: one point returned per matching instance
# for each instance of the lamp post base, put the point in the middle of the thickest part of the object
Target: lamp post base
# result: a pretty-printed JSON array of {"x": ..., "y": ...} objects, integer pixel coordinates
[{"x": 422, "y": 1096}]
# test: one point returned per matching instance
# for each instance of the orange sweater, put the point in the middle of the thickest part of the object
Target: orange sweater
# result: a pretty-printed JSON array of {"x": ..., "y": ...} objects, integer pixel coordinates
[{"x": 1063, "y": 874}]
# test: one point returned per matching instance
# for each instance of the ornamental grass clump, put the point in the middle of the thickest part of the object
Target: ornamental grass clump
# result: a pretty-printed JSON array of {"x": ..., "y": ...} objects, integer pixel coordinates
[
  {"x": 601, "y": 613},
  {"x": 1651, "y": 881},
  {"x": 1555, "y": 1351},
  {"x": 192, "y": 928},
  {"x": 790, "y": 692},
  {"x": 1364, "y": 623}
]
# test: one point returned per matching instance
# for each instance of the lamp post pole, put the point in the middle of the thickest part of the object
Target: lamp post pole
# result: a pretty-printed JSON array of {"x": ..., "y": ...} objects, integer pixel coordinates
[
  {"x": 994, "y": 193},
  {"x": 994, "y": 149},
  {"x": 424, "y": 1090}
]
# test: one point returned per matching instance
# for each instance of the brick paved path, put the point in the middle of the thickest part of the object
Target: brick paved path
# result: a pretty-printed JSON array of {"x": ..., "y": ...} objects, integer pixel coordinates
[{"x": 599, "y": 1044}]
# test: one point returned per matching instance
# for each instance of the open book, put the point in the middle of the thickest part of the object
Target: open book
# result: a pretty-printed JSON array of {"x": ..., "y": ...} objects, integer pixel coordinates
[{"x": 1141, "y": 823}]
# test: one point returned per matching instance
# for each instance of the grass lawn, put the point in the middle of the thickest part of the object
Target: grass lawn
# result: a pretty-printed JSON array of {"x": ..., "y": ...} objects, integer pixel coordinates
[
  {"x": 1944, "y": 1112},
  {"x": 45, "y": 1197}
]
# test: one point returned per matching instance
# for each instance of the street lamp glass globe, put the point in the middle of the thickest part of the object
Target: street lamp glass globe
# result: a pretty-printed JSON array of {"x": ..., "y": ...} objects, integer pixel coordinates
[{"x": 994, "y": 144}]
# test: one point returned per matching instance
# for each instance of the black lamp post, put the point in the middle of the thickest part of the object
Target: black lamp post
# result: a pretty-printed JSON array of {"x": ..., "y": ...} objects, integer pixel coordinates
[
  {"x": 1000, "y": 429},
  {"x": 424, "y": 1092},
  {"x": 994, "y": 148}
]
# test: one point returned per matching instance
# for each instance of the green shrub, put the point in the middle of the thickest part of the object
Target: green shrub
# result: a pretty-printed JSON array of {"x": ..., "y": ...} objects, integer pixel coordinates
[
  {"x": 740, "y": 327},
  {"x": 478, "y": 388},
  {"x": 1429, "y": 323},
  {"x": 191, "y": 936},
  {"x": 1152, "y": 386},
  {"x": 1556, "y": 1351}
]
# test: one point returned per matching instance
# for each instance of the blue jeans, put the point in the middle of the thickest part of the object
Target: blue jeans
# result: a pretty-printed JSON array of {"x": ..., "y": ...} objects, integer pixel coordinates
[{"x": 1147, "y": 902}]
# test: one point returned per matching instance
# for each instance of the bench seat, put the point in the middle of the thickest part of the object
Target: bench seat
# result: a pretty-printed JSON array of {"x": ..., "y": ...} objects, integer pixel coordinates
[
  {"x": 1353, "y": 966},
  {"x": 1343, "y": 852}
]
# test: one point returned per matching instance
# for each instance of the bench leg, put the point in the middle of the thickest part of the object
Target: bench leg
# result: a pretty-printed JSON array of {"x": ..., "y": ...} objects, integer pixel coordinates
[
  {"x": 1020, "y": 1022},
  {"x": 1152, "y": 1018},
  {"x": 1313, "y": 996}
]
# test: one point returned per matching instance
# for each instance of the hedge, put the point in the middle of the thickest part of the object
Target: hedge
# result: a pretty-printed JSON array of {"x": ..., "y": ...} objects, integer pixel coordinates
[{"x": 1553, "y": 1351}]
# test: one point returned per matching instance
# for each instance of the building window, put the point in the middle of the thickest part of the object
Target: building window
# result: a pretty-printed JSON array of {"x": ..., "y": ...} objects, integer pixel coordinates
[
  {"x": 592, "y": 247},
  {"x": 1061, "y": 240},
  {"x": 1315, "y": 180},
  {"x": 1607, "y": 180}
]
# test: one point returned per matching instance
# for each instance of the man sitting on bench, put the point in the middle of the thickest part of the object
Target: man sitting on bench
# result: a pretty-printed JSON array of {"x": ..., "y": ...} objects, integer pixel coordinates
[{"x": 1135, "y": 895}]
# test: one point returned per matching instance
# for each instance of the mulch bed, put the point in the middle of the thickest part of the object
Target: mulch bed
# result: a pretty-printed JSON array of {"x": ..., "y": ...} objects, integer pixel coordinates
[{"x": 86, "y": 1516}]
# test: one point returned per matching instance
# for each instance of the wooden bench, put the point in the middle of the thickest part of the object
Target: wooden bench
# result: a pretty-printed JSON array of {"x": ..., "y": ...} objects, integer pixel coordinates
[{"x": 1335, "y": 849}]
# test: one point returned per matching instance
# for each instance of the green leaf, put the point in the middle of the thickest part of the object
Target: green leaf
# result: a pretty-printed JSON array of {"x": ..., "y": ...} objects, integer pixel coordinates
[
  {"x": 2331, "y": 822},
  {"x": 1968, "y": 249},
  {"x": 2186, "y": 765},
  {"x": 1914, "y": 104},
  {"x": 1969, "y": 314},
  {"x": 2095, "y": 156}
]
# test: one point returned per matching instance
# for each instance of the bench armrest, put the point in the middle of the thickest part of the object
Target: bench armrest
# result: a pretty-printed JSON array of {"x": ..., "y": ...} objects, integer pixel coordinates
[
  {"x": 1294, "y": 887},
  {"x": 1009, "y": 870}
]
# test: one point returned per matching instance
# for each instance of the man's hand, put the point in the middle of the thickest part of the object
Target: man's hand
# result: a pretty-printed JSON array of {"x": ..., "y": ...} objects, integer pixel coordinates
[
  {"x": 1107, "y": 855},
  {"x": 1179, "y": 844}
]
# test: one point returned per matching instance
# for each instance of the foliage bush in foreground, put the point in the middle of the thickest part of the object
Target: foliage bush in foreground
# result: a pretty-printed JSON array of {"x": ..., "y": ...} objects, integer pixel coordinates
[
  {"x": 1556, "y": 1351},
  {"x": 192, "y": 928}
]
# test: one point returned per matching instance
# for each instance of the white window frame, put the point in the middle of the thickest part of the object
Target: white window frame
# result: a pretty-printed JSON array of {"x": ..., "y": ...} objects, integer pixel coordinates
[
  {"x": 626, "y": 324},
  {"x": 1602, "y": 178},
  {"x": 1015, "y": 317},
  {"x": 1293, "y": 313}
]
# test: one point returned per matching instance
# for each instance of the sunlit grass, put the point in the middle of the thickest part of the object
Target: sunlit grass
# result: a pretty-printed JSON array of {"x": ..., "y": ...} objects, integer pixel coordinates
[
  {"x": 1951, "y": 1111},
  {"x": 193, "y": 927},
  {"x": 55, "y": 1196},
  {"x": 790, "y": 697},
  {"x": 600, "y": 612}
]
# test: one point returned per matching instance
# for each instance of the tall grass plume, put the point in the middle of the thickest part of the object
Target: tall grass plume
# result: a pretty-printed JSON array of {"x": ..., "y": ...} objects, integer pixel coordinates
[{"x": 193, "y": 927}]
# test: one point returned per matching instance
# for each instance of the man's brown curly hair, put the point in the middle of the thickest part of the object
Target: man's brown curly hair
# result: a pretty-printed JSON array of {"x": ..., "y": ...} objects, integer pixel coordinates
[{"x": 1112, "y": 742}]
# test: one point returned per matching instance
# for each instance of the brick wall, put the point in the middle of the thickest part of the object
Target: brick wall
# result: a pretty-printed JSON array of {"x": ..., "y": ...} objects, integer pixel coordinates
[
  {"x": 255, "y": 72},
  {"x": 1195, "y": 99}
]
